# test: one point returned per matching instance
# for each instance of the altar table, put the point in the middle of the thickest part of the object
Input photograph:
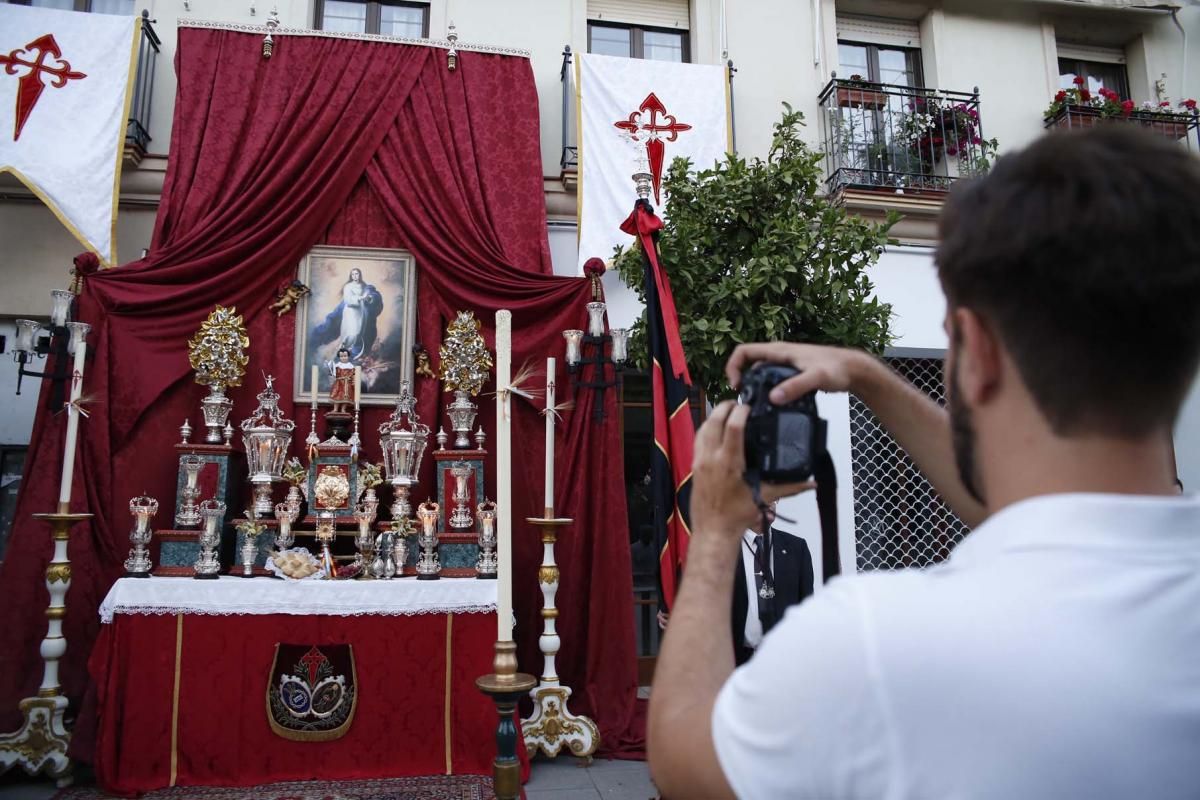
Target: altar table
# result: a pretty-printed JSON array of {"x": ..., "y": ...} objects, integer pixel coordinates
[{"x": 182, "y": 666}]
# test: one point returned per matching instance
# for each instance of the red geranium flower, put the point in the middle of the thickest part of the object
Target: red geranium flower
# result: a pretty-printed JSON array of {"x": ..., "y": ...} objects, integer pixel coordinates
[
  {"x": 1127, "y": 108},
  {"x": 1189, "y": 104},
  {"x": 1085, "y": 95},
  {"x": 1061, "y": 97},
  {"x": 1165, "y": 104},
  {"x": 1079, "y": 80}
]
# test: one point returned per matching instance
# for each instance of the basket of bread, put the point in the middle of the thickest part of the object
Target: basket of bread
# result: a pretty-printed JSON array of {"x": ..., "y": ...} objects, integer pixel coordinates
[{"x": 295, "y": 564}]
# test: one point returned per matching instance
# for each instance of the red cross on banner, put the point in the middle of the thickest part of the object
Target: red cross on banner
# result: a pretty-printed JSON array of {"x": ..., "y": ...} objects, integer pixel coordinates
[
  {"x": 31, "y": 81},
  {"x": 650, "y": 122}
]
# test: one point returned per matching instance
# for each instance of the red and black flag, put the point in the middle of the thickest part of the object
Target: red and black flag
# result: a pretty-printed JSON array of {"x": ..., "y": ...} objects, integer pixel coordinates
[{"x": 674, "y": 431}]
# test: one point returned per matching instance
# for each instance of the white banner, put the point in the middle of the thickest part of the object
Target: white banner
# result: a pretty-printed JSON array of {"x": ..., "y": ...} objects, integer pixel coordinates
[
  {"x": 65, "y": 79},
  {"x": 635, "y": 111}
]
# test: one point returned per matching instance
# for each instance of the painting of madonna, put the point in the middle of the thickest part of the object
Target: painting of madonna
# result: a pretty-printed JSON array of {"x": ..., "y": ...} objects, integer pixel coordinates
[{"x": 362, "y": 301}]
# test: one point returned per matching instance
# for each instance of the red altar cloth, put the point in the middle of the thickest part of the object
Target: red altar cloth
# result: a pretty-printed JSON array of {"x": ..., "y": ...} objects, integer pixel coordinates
[{"x": 181, "y": 700}]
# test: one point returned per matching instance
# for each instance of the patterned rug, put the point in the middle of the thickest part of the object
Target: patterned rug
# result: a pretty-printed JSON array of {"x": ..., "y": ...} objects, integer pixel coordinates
[{"x": 437, "y": 787}]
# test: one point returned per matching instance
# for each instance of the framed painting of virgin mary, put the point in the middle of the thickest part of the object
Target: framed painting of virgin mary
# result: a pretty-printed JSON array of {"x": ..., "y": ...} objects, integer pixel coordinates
[{"x": 362, "y": 309}]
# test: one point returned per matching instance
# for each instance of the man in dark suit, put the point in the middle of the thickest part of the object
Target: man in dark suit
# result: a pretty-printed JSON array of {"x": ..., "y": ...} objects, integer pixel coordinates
[{"x": 788, "y": 572}]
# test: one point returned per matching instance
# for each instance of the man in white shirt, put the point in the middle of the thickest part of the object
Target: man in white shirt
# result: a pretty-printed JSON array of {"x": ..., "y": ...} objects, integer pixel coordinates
[{"x": 1056, "y": 654}]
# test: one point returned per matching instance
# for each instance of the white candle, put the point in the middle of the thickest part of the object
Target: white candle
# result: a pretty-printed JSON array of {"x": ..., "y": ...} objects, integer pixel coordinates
[
  {"x": 68, "y": 468},
  {"x": 315, "y": 380},
  {"x": 549, "y": 438},
  {"x": 357, "y": 386},
  {"x": 503, "y": 479}
]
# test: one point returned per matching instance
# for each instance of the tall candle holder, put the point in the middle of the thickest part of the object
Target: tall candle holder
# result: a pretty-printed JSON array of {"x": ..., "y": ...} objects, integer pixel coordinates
[
  {"x": 208, "y": 564},
  {"x": 429, "y": 567},
  {"x": 594, "y": 355},
  {"x": 552, "y": 726},
  {"x": 40, "y": 744},
  {"x": 143, "y": 510}
]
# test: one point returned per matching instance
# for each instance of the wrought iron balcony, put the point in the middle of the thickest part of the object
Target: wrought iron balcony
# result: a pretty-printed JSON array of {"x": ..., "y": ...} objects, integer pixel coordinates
[
  {"x": 1182, "y": 126},
  {"x": 137, "y": 133},
  {"x": 569, "y": 161},
  {"x": 900, "y": 139}
]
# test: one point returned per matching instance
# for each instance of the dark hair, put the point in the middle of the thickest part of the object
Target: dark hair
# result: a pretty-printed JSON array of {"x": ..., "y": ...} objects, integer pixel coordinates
[
  {"x": 1083, "y": 252},
  {"x": 345, "y": 350}
]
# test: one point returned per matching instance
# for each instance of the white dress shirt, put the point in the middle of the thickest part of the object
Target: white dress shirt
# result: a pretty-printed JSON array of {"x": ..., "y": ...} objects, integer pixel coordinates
[
  {"x": 1056, "y": 654},
  {"x": 753, "y": 631}
]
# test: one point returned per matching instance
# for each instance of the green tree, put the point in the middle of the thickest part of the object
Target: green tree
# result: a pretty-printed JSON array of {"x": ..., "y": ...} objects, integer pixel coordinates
[{"x": 755, "y": 252}]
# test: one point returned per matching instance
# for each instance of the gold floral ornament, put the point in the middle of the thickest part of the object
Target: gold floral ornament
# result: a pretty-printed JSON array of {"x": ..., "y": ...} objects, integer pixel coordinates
[
  {"x": 465, "y": 360},
  {"x": 332, "y": 488},
  {"x": 218, "y": 350}
]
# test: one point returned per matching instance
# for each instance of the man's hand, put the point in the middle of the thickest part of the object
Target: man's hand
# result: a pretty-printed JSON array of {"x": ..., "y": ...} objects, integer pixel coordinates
[
  {"x": 722, "y": 502},
  {"x": 828, "y": 369}
]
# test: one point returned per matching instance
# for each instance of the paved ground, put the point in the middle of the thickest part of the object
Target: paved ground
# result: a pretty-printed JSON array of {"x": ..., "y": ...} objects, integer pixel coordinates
[{"x": 563, "y": 778}]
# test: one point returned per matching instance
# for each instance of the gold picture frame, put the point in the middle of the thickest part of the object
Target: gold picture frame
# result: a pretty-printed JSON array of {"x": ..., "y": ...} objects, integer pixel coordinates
[{"x": 373, "y": 314}]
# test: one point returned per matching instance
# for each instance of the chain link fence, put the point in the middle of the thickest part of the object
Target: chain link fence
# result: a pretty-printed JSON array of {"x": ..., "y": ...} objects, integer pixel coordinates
[{"x": 899, "y": 521}]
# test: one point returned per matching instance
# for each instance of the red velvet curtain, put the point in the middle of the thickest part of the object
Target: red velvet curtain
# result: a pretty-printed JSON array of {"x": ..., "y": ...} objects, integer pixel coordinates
[{"x": 354, "y": 143}]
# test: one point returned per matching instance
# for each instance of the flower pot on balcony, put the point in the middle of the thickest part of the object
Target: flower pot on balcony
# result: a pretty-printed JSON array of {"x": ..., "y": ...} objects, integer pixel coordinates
[
  {"x": 1075, "y": 117},
  {"x": 860, "y": 97},
  {"x": 1172, "y": 129}
]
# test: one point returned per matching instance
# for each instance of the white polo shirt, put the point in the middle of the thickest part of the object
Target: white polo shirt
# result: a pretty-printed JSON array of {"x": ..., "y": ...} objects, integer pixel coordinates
[{"x": 1056, "y": 654}]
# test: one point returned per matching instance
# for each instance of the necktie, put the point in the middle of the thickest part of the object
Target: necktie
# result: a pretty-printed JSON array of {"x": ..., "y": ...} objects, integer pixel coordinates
[{"x": 766, "y": 604}]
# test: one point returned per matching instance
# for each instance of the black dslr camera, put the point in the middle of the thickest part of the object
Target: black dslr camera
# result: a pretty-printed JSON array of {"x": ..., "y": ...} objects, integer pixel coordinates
[{"x": 783, "y": 443}]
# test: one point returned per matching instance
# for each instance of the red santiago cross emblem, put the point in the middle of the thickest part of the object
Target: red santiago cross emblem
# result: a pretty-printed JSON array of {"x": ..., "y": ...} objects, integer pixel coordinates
[
  {"x": 30, "y": 84},
  {"x": 652, "y": 119}
]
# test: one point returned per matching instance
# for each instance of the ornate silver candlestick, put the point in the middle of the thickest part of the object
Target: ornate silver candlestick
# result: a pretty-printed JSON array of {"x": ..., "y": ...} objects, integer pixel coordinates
[
  {"x": 486, "y": 565},
  {"x": 208, "y": 565},
  {"x": 460, "y": 517},
  {"x": 429, "y": 566},
  {"x": 325, "y": 534},
  {"x": 266, "y": 435},
  {"x": 403, "y": 439},
  {"x": 138, "y": 564},
  {"x": 363, "y": 541},
  {"x": 286, "y": 513},
  {"x": 189, "y": 513}
]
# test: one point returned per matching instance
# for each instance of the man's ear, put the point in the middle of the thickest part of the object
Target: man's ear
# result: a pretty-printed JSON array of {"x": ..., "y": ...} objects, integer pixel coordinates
[{"x": 977, "y": 350}]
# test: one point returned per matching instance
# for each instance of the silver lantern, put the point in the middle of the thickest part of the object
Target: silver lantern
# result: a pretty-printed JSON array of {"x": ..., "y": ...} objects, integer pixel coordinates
[
  {"x": 143, "y": 510},
  {"x": 403, "y": 439},
  {"x": 266, "y": 435}
]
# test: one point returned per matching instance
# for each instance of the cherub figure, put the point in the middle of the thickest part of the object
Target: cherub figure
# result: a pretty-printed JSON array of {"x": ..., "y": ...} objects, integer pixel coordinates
[{"x": 288, "y": 296}]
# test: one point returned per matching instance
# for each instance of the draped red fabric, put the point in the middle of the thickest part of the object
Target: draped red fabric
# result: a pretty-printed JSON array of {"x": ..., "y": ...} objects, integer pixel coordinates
[{"x": 354, "y": 143}]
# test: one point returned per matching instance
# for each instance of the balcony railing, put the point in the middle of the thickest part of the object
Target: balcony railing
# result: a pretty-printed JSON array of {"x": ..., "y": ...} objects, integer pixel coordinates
[
  {"x": 569, "y": 160},
  {"x": 1180, "y": 127},
  {"x": 137, "y": 134},
  {"x": 900, "y": 139}
]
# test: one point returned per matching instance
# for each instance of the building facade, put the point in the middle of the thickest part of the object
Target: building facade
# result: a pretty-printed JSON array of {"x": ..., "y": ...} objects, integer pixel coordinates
[{"x": 1002, "y": 60}]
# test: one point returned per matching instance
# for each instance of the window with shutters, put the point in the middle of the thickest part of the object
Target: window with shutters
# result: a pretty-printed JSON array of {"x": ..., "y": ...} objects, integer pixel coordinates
[
  {"x": 95, "y": 6},
  {"x": 634, "y": 29}
]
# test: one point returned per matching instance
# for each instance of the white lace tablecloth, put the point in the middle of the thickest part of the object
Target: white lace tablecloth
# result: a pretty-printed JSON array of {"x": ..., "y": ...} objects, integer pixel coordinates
[{"x": 231, "y": 595}]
